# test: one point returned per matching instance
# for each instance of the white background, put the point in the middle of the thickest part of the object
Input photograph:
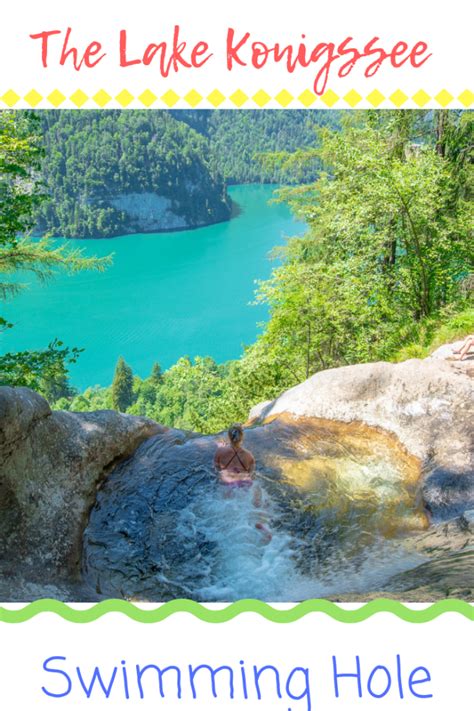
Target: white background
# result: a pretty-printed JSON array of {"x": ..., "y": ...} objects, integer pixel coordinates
[
  {"x": 443, "y": 646},
  {"x": 444, "y": 26}
]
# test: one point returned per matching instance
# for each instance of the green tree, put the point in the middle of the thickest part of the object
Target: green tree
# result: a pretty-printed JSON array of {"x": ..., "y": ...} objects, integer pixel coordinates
[
  {"x": 122, "y": 386},
  {"x": 21, "y": 191},
  {"x": 387, "y": 239},
  {"x": 20, "y": 157},
  {"x": 156, "y": 375}
]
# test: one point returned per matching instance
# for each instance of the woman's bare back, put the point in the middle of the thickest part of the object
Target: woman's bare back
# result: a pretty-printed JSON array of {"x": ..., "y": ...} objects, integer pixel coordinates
[{"x": 234, "y": 461}]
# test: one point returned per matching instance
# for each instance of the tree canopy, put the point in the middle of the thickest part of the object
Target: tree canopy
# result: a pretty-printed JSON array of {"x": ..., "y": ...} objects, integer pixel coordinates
[{"x": 385, "y": 264}]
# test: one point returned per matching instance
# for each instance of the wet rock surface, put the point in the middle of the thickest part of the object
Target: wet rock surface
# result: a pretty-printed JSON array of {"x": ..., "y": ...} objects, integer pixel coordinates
[
  {"x": 443, "y": 577},
  {"x": 450, "y": 570},
  {"x": 332, "y": 487},
  {"x": 130, "y": 545},
  {"x": 367, "y": 475},
  {"x": 447, "y": 573},
  {"x": 427, "y": 404}
]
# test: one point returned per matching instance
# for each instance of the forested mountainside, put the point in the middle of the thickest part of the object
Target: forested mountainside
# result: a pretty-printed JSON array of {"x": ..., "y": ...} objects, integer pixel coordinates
[
  {"x": 239, "y": 138},
  {"x": 116, "y": 172},
  {"x": 383, "y": 271}
]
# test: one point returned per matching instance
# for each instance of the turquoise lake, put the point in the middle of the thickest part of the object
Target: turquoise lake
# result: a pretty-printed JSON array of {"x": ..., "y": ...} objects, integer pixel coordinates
[{"x": 167, "y": 295}]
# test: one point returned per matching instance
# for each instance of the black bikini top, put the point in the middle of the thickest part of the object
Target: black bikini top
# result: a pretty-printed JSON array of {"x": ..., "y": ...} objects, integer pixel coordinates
[{"x": 236, "y": 454}]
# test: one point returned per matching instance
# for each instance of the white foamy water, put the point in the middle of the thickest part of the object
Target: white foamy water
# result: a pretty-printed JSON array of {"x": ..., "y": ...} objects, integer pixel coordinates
[{"x": 242, "y": 564}]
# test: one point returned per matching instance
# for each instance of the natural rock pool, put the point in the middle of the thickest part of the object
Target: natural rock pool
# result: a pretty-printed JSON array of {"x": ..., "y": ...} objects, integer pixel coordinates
[
  {"x": 101, "y": 504},
  {"x": 340, "y": 500}
]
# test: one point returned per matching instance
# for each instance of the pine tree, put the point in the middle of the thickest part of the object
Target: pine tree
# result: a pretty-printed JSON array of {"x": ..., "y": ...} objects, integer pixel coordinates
[
  {"x": 156, "y": 375},
  {"x": 122, "y": 386}
]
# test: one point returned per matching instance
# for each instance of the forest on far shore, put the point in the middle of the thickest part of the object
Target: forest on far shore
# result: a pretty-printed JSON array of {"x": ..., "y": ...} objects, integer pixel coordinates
[{"x": 92, "y": 159}]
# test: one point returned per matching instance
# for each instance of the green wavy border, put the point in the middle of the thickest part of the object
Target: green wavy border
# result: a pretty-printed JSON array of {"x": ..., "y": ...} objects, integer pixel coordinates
[{"x": 237, "y": 608}]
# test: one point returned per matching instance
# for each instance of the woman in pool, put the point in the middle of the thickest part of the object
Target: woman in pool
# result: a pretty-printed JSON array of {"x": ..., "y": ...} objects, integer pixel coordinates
[{"x": 236, "y": 467}]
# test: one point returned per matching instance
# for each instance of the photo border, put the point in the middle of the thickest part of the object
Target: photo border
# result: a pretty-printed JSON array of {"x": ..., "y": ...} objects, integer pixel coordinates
[
  {"x": 237, "y": 99},
  {"x": 233, "y": 610}
]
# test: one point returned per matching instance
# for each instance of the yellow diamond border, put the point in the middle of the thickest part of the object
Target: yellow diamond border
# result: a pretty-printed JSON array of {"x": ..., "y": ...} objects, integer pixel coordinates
[{"x": 237, "y": 98}]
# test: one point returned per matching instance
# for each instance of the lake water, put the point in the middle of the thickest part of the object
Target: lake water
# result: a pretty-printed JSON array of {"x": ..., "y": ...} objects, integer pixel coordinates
[{"x": 167, "y": 295}]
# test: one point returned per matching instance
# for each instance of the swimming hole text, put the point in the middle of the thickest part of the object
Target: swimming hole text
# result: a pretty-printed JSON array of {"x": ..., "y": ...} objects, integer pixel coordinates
[{"x": 291, "y": 689}]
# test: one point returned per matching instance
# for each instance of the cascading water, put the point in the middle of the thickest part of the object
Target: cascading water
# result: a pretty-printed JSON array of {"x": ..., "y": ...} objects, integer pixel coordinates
[
  {"x": 242, "y": 563},
  {"x": 338, "y": 499}
]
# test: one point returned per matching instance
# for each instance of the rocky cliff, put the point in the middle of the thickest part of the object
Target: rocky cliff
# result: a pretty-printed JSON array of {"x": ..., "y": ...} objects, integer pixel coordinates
[{"x": 50, "y": 466}]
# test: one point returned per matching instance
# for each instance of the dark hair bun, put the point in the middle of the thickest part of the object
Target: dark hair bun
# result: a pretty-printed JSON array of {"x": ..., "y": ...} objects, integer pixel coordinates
[{"x": 235, "y": 433}]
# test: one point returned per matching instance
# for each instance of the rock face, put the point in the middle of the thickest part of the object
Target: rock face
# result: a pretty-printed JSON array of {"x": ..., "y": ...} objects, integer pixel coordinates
[
  {"x": 428, "y": 404},
  {"x": 148, "y": 212},
  {"x": 348, "y": 461},
  {"x": 50, "y": 465}
]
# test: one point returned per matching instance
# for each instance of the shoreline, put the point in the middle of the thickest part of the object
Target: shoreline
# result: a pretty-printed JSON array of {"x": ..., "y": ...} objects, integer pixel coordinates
[
  {"x": 256, "y": 227},
  {"x": 235, "y": 211}
]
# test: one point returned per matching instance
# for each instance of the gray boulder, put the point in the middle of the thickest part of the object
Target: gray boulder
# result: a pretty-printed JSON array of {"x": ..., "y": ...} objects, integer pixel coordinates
[{"x": 50, "y": 466}]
